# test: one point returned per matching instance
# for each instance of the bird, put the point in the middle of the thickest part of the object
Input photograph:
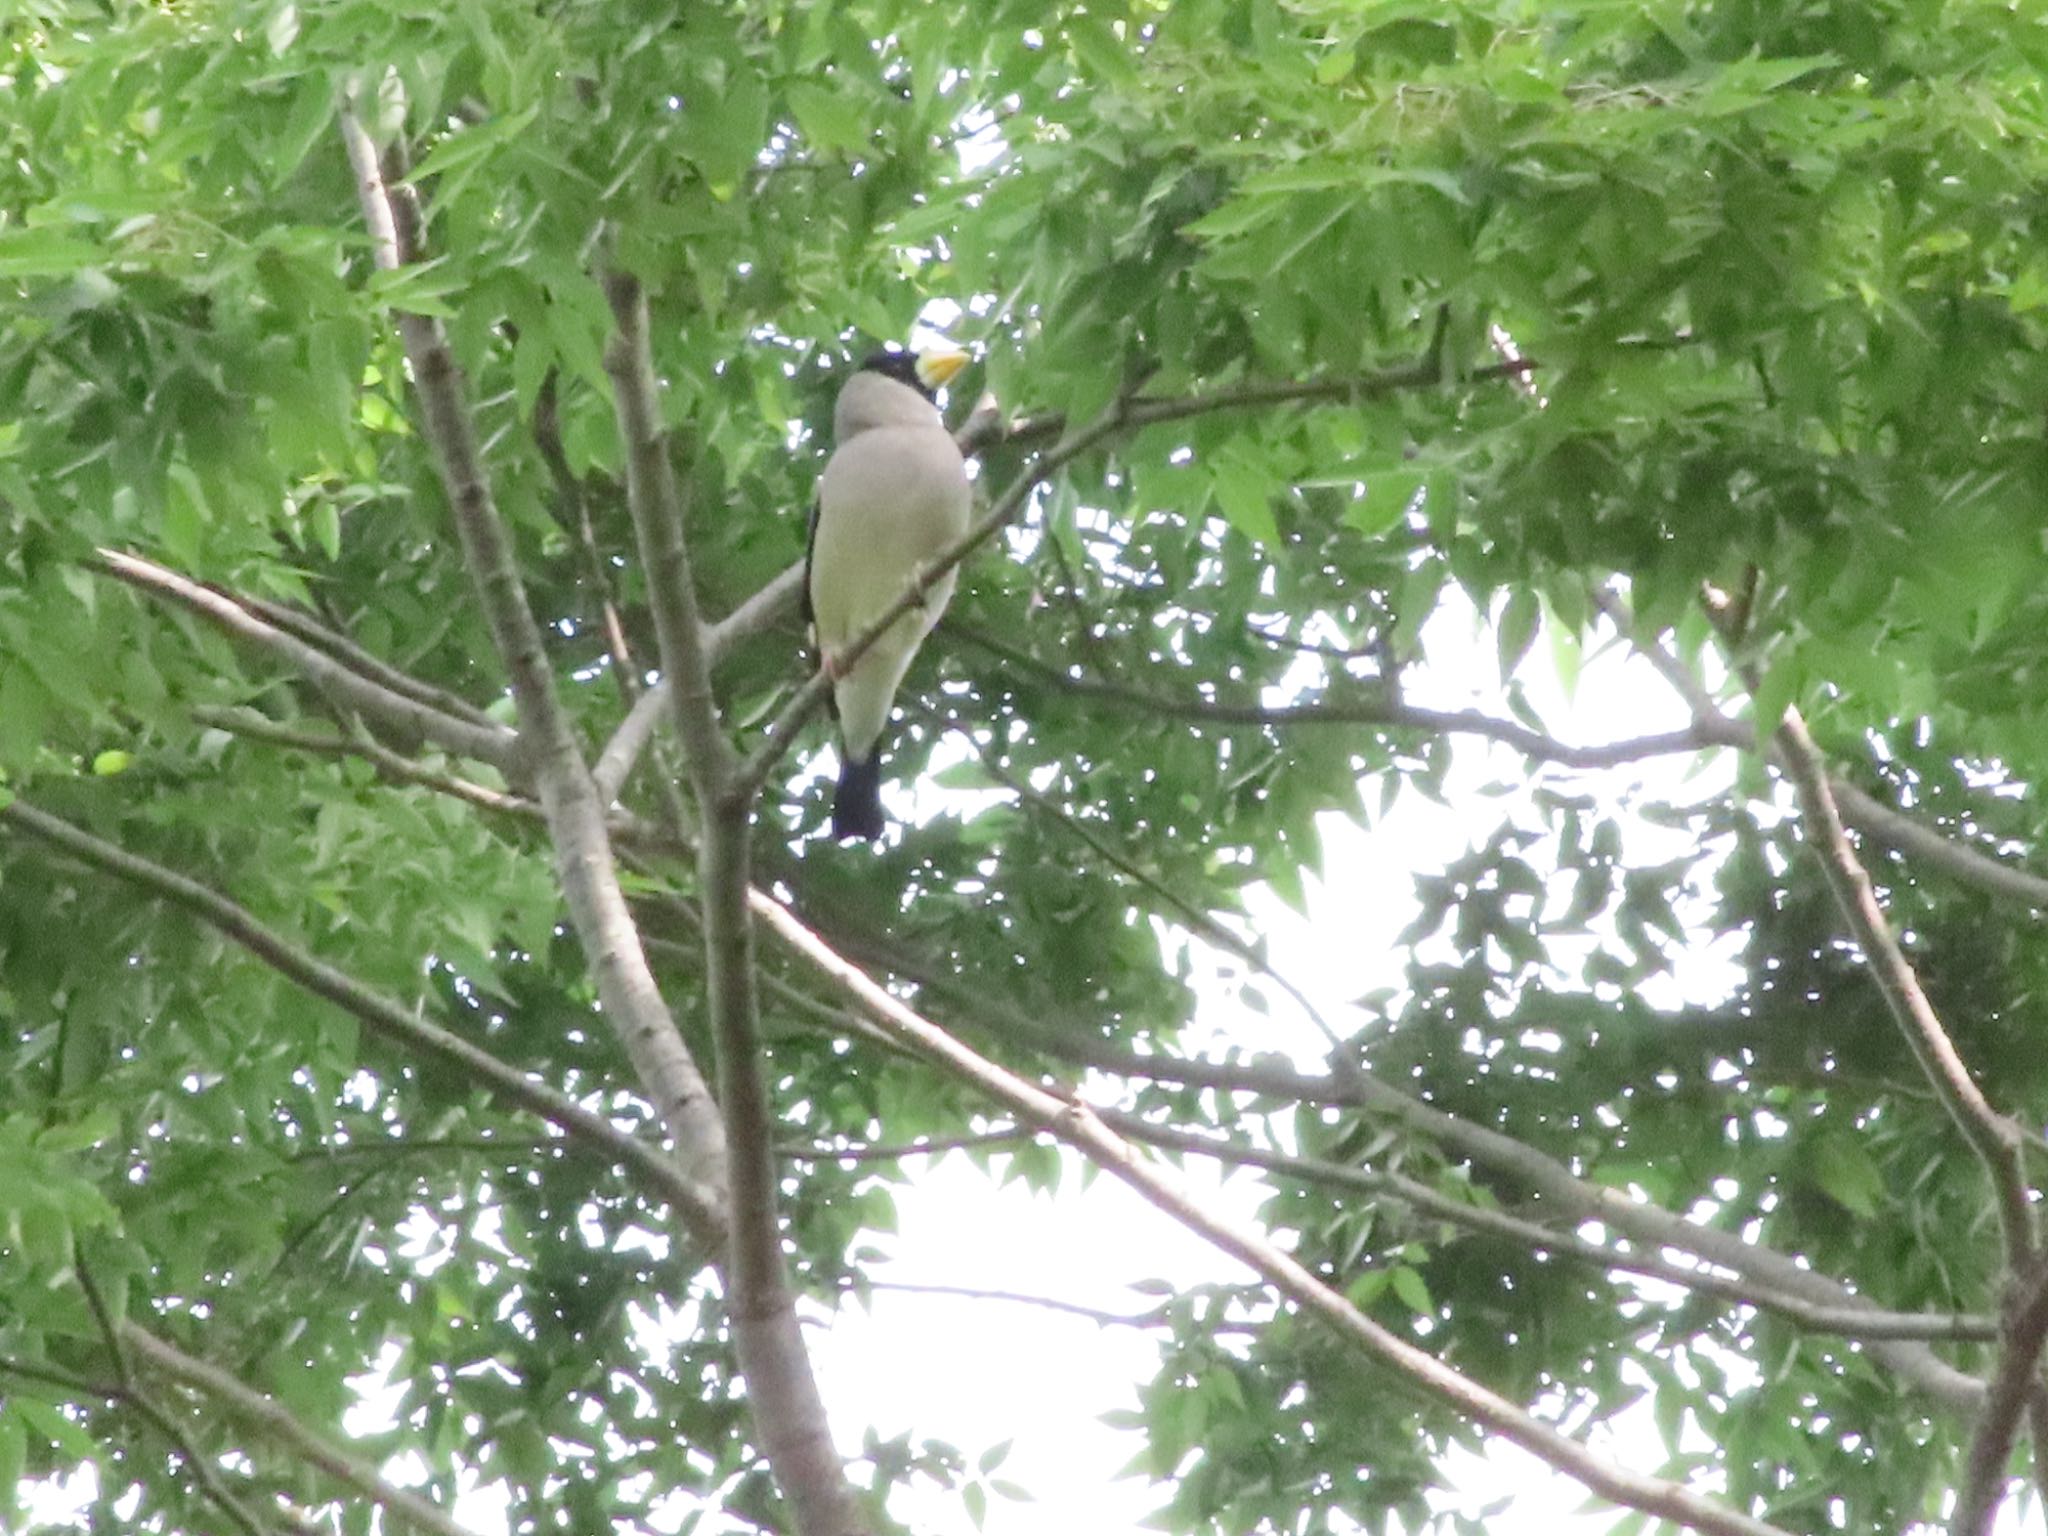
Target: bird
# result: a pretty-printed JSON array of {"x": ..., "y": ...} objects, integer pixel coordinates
[{"x": 893, "y": 497}]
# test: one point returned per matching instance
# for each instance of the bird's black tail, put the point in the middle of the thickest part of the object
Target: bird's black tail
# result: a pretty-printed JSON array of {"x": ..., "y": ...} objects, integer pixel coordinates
[{"x": 857, "y": 807}]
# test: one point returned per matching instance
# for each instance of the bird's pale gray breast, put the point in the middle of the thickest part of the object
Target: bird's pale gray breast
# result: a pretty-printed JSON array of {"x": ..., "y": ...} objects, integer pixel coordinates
[{"x": 892, "y": 499}]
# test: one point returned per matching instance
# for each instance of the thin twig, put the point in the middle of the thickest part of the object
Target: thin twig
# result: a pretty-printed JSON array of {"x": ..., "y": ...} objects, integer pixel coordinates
[
  {"x": 1198, "y": 922},
  {"x": 625, "y": 828},
  {"x": 573, "y": 511},
  {"x": 1154, "y": 1318},
  {"x": 1849, "y": 1322},
  {"x": 125, "y": 1393},
  {"x": 486, "y": 743},
  {"x": 1993, "y": 1136},
  {"x": 204, "y": 1471},
  {"x": 1380, "y": 708},
  {"x": 400, "y": 1147},
  {"x": 1256, "y": 394},
  {"x": 1863, "y": 811},
  {"x": 929, "y": 1147},
  {"x": 346, "y": 651}
]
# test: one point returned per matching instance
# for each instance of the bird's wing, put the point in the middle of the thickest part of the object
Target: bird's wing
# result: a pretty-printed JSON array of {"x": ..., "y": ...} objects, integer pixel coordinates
[
  {"x": 810, "y": 554},
  {"x": 809, "y": 613}
]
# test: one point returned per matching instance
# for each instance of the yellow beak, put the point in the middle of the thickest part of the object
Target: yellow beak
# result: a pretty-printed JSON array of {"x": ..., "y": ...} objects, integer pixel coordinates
[{"x": 939, "y": 365}]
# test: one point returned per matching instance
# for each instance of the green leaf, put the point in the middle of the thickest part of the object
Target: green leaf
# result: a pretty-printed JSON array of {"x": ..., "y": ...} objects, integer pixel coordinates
[
  {"x": 725, "y": 123},
  {"x": 1365, "y": 1292},
  {"x": 827, "y": 117},
  {"x": 1843, "y": 1168},
  {"x": 994, "y": 1456},
  {"x": 323, "y": 522},
  {"x": 1244, "y": 489},
  {"x": 185, "y": 517},
  {"x": 26, "y": 712},
  {"x": 1412, "y": 1289},
  {"x": 312, "y": 110},
  {"x": 1517, "y": 632},
  {"x": 45, "y": 253},
  {"x": 418, "y": 288},
  {"x": 471, "y": 143},
  {"x": 1388, "y": 495},
  {"x": 13, "y": 1456}
]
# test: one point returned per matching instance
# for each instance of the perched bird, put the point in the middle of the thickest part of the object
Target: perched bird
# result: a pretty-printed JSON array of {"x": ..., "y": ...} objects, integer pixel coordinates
[{"x": 893, "y": 497}]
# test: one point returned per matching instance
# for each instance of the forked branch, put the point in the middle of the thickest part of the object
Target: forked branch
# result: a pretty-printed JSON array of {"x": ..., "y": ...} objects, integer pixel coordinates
[{"x": 575, "y": 815}]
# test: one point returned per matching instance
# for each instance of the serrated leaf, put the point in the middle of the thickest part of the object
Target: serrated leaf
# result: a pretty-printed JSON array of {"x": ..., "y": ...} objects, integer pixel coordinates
[
  {"x": 1843, "y": 1168},
  {"x": 323, "y": 521},
  {"x": 828, "y": 117},
  {"x": 45, "y": 253},
  {"x": 471, "y": 144},
  {"x": 1517, "y": 632},
  {"x": 1244, "y": 491},
  {"x": 1412, "y": 1290},
  {"x": 994, "y": 1456},
  {"x": 1367, "y": 1289}
]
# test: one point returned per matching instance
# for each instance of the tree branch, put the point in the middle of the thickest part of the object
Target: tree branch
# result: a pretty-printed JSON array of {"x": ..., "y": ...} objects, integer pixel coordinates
[
  {"x": 1150, "y": 1319},
  {"x": 125, "y": 1393},
  {"x": 928, "y": 1147},
  {"x": 615, "y": 763},
  {"x": 130, "y": 1394},
  {"x": 1383, "y": 709},
  {"x": 657, "y": 506},
  {"x": 269, "y": 1416},
  {"x": 400, "y": 712},
  {"x": 1850, "y": 1322},
  {"x": 1897, "y": 830},
  {"x": 1576, "y": 1198},
  {"x": 1073, "y": 1121},
  {"x": 984, "y": 429},
  {"x": 203, "y": 1471},
  {"x": 1993, "y": 1136},
  {"x": 757, "y": 614},
  {"x": 1252, "y": 395},
  {"x": 382, "y": 1015},
  {"x": 787, "y": 1410},
  {"x": 1860, "y": 810},
  {"x": 2016, "y": 1381},
  {"x": 350, "y": 654},
  {"x": 632, "y": 1003},
  {"x": 626, "y": 829}
]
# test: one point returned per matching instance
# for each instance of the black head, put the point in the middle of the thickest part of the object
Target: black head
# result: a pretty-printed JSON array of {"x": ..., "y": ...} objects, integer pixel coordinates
[{"x": 900, "y": 366}]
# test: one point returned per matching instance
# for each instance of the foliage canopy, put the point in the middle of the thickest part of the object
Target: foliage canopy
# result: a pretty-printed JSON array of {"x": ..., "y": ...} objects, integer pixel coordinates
[{"x": 1565, "y": 313}]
